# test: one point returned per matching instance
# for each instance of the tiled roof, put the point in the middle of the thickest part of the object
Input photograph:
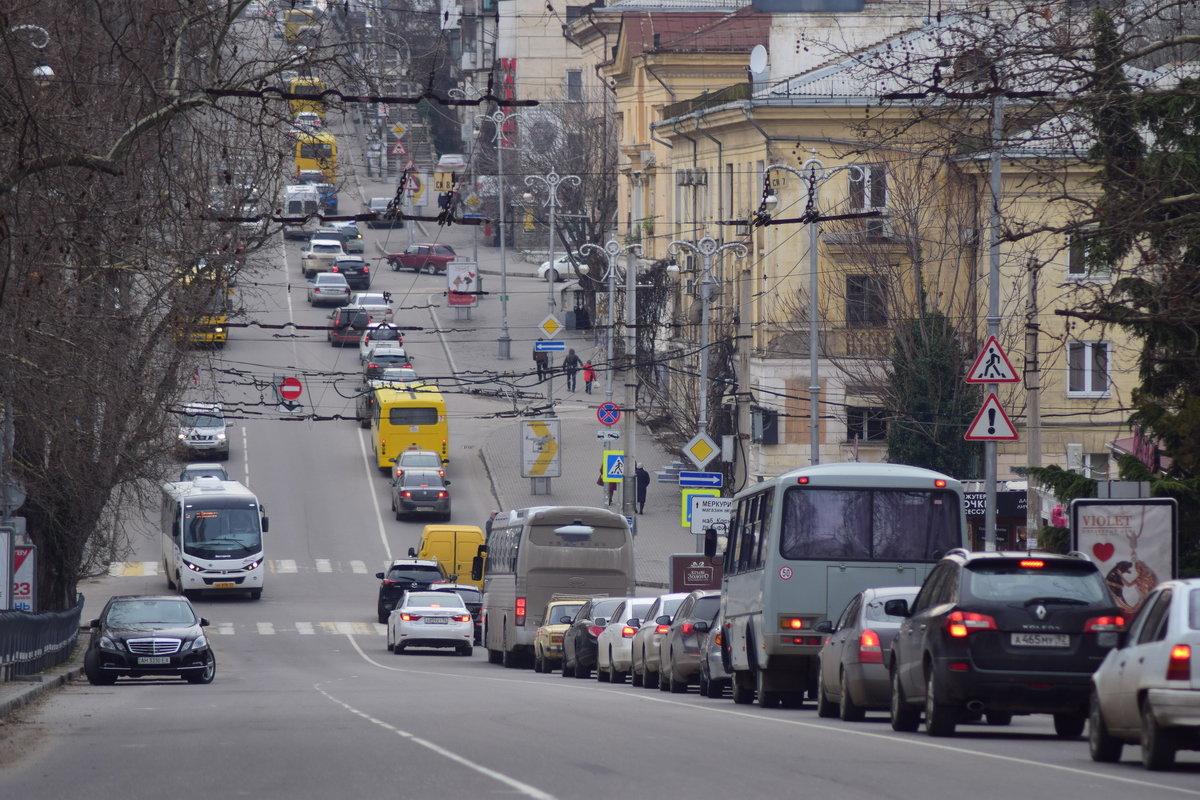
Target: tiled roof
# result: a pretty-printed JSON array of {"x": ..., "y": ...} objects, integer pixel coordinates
[{"x": 696, "y": 31}]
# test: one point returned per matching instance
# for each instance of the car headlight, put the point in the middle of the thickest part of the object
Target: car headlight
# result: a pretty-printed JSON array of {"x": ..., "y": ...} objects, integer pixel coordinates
[
  {"x": 220, "y": 437},
  {"x": 182, "y": 436},
  {"x": 109, "y": 643},
  {"x": 199, "y": 643}
]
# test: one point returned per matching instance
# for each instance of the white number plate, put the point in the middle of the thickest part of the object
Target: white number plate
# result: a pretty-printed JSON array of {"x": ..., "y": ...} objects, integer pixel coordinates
[
  {"x": 1041, "y": 639},
  {"x": 436, "y": 621},
  {"x": 147, "y": 660},
  {"x": 224, "y": 585}
]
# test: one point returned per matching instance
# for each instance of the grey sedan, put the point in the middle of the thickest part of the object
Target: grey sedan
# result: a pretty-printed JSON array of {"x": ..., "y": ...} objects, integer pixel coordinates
[{"x": 328, "y": 289}]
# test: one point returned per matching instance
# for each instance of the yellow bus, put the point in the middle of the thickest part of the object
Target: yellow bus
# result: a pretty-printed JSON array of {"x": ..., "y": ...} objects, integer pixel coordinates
[
  {"x": 209, "y": 326},
  {"x": 408, "y": 416},
  {"x": 309, "y": 87},
  {"x": 316, "y": 153},
  {"x": 294, "y": 20}
]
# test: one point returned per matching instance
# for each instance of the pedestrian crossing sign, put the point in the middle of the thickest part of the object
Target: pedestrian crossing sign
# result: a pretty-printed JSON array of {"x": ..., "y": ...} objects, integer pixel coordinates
[
  {"x": 614, "y": 466},
  {"x": 992, "y": 366}
]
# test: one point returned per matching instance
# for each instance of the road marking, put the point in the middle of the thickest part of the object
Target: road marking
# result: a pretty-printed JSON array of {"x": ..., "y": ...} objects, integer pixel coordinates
[
  {"x": 323, "y": 565},
  {"x": 266, "y": 629},
  {"x": 304, "y": 628},
  {"x": 284, "y": 566},
  {"x": 225, "y": 628},
  {"x": 358, "y": 568},
  {"x": 133, "y": 569},
  {"x": 369, "y": 462}
]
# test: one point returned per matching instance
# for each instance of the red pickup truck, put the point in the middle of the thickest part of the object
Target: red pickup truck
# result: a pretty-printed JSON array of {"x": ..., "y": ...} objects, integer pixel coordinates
[{"x": 423, "y": 256}]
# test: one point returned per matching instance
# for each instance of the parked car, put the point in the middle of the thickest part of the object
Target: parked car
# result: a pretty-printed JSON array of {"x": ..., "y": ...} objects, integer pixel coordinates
[
  {"x": 356, "y": 269},
  {"x": 1001, "y": 633},
  {"x": 547, "y": 640},
  {"x": 421, "y": 490},
  {"x": 563, "y": 265},
  {"x": 320, "y": 256},
  {"x": 430, "y": 619},
  {"x": 377, "y": 332},
  {"x": 853, "y": 678},
  {"x": 350, "y": 239},
  {"x": 423, "y": 257},
  {"x": 383, "y": 217},
  {"x": 643, "y": 664},
  {"x": 614, "y": 645},
  {"x": 579, "y": 639},
  {"x": 346, "y": 325},
  {"x": 679, "y": 650},
  {"x": 714, "y": 677},
  {"x": 473, "y": 598},
  {"x": 193, "y": 471},
  {"x": 139, "y": 635},
  {"x": 413, "y": 458},
  {"x": 328, "y": 288},
  {"x": 1147, "y": 690},
  {"x": 404, "y": 575},
  {"x": 203, "y": 430},
  {"x": 377, "y": 304},
  {"x": 373, "y": 379}
]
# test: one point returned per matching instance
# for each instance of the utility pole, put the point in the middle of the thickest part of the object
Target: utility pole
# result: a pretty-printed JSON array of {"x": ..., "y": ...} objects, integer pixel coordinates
[
  {"x": 1033, "y": 390},
  {"x": 993, "y": 317},
  {"x": 499, "y": 119}
]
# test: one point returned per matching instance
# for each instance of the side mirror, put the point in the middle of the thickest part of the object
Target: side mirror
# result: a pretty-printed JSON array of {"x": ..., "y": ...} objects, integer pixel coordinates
[
  {"x": 565, "y": 619},
  {"x": 700, "y": 627},
  {"x": 445, "y": 482},
  {"x": 633, "y": 622},
  {"x": 824, "y": 626},
  {"x": 379, "y": 575},
  {"x": 412, "y": 552},
  {"x": 477, "y": 568},
  {"x": 710, "y": 542},
  {"x": 94, "y": 623},
  {"x": 600, "y": 622},
  {"x": 204, "y": 623},
  {"x": 452, "y": 578},
  {"x": 266, "y": 524},
  {"x": 665, "y": 619},
  {"x": 896, "y": 608}
]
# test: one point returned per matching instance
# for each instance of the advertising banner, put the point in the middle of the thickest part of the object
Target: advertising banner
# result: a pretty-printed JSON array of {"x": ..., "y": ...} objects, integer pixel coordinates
[
  {"x": 462, "y": 284},
  {"x": 1133, "y": 542}
]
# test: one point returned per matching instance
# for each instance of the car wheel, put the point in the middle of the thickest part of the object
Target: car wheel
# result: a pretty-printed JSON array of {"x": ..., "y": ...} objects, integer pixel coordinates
[
  {"x": 563, "y": 669},
  {"x": 602, "y": 675},
  {"x": 582, "y": 671},
  {"x": 1069, "y": 725},
  {"x": 382, "y": 616},
  {"x": 649, "y": 679},
  {"x": 940, "y": 718},
  {"x": 495, "y": 656},
  {"x": 96, "y": 676},
  {"x": 395, "y": 266},
  {"x": 1102, "y": 745},
  {"x": 616, "y": 675},
  {"x": 635, "y": 677},
  {"x": 1158, "y": 746},
  {"x": 676, "y": 686},
  {"x": 825, "y": 707},
  {"x": 510, "y": 659},
  {"x": 765, "y": 698},
  {"x": 399, "y": 648},
  {"x": 399, "y": 515},
  {"x": 465, "y": 650},
  {"x": 207, "y": 674},
  {"x": 664, "y": 680},
  {"x": 998, "y": 718},
  {"x": 848, "y": 710},
  {"x": 905, "y": 718},
  {"x": 539, "y": 663},
  {"x": 743, "y": 688},
  {"x": 256, "y": 594},
  {"x": 552, "y": 275}
]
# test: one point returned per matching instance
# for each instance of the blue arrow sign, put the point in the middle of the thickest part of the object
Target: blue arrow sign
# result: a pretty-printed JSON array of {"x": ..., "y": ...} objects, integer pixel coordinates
[
  {"x": 545, "y": 347},
  {"x": 713, "y": 479}
]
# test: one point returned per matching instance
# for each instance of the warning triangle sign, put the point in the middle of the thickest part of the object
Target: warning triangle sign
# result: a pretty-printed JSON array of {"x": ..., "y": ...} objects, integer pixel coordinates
[
  {"x": 992, "y": 366},
  {"x": 991, "y": 424}
]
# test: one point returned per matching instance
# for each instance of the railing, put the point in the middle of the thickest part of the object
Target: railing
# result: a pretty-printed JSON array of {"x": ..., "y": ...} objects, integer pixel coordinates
[
  {"x": 30, "y": 643},
  {"x": 738, "y": 91}
]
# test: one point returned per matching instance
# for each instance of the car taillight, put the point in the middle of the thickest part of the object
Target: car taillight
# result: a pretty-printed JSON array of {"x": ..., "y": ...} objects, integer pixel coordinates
[
  {"x": 333, "y": 268},
  {"x": 388, "y": 582},
  {"x": 443, "y": 494},
  {"x": 462, "y": 618},
  {"x": 661, "y": 629},
  {"x": 1104, "y": 624},
  {"x": 410, "y": 617},
  {"x": 961, "y": 623},
  {"x": 628, "y": 632},
  {"x": 365, "y": 269},
  {"x": 520, "y": 610},
  {"x": 869, "y": 649},
  {"x": 791, "y": 623},
  {"x": 719, "y": 639},
  {"x": 594, "y": 630},
  {"x": 1032, "y": 563},
  {"x": 1179, "y": 668},
  {"x": 406, "y": 494},
  {"x": 687, "y": 628}
]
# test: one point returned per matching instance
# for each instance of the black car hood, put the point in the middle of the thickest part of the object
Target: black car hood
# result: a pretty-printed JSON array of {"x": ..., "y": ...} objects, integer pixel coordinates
[{"x": 141, "y": 631}]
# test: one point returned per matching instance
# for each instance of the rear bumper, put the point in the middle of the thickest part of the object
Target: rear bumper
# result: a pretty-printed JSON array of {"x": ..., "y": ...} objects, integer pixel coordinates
[
  {"x": 1020, "y": 692},
  {"x": 1176, "y": 708}
]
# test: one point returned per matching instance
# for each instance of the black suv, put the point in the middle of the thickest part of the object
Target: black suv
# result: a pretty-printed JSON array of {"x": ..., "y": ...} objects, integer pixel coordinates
[
  {"x": 405, "y": 575},
  {"x": 1001, "y": 633}
]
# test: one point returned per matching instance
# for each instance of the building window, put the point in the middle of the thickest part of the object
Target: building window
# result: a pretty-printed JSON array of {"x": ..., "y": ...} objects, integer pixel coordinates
[
  {"x": 574, "y": 84},
  {"x": 1087, "y": 366},
  {"x": 866, "y": 424},
  {"x": 868, "y": 187},
  {"x": 866, "y": 301},
  {"x": 1077, "y": 266}
]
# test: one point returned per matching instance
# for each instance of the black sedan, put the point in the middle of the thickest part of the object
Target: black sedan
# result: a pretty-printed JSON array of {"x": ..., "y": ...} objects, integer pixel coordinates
[
  {"x": 421, "y": 490},
  {"x": 579, "y": 640},
  {"x": 139, "y": 635}
]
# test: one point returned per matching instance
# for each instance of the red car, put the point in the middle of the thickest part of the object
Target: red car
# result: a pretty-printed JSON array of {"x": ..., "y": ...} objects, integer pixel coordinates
[
  {"x": 423, "y": 257},
  {"x": 346, "y": 326}
]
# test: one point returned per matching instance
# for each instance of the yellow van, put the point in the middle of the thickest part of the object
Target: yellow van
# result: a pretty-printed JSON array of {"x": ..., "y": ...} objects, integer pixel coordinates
[{"x": 455, "y": 547}]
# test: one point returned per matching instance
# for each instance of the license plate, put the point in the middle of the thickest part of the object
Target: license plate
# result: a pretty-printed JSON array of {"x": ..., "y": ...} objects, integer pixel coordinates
[
  {"x": 148, "y": 660},
  {"x": 436, "y": 621},
  {"x": 224, "y": 585},
  {"x": 1041, "y": 639}
]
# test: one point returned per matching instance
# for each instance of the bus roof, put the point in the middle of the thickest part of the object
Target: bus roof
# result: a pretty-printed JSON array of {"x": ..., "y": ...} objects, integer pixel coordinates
[
  {"x": 412, "y": 392},
  {"x": 565, "y": 514},
  {"x": 206, "y": 486},
  {"x": 856, "y": 473}
]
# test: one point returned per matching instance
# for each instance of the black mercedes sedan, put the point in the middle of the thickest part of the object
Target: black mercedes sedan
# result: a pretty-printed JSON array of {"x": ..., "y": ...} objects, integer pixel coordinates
[{"x": 140, "y": 635}]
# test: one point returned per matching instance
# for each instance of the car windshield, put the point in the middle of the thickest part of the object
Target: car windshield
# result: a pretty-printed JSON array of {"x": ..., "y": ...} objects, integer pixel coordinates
[
  {"x": 415, "y": 573},
  {"x": 555, "y": 613},
  {"x": 204, "y": 421},
  {"x": 222, "y": 529},
  {"x": 372, "y": 299},
  {"x": 1008, "y": 581},
  {"x": 332, "y": 280},
  {"x": 421, "y": 477},
  {"x": 397, "y": 375},
  {"x": 634, "y": 609},
  {"x": 384, "y": 334},
  {"x": 469, "y": 595},
  {"x": 124, "y": 613},
  {"x": 425, "y": 458},
  {"x": 213, "y": 471},
  {"x": 433, "y": 600},
  {"x": 327, "y": 248}
]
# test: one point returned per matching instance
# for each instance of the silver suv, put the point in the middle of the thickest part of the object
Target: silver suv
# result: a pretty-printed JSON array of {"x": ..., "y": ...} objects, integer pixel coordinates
[{"x": 203, "y": 431}]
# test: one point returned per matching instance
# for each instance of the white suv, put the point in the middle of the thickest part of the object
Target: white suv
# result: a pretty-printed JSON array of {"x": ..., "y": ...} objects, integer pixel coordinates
[{"x": 204, "y": 431}]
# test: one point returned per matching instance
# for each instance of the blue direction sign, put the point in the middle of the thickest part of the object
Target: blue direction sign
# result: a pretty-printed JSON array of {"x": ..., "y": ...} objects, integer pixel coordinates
[
  {"x": 549, "y": 346},
  {"x": 710, "y": 479},
  {"x": 608, "y": 414}
]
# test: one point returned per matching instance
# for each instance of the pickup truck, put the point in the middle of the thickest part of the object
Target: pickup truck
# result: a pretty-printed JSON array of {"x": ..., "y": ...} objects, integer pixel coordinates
[{"x": 423, "y": 256}]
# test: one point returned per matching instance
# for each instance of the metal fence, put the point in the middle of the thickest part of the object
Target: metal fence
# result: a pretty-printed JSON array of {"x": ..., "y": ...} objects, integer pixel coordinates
[{"x": 30, "y": 643}]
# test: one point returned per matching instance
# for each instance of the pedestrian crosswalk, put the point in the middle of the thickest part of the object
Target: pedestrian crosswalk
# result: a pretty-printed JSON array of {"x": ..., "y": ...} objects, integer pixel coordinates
[
  {"x": 300, "y": 628},
  {"x": 282, "y": 566}
]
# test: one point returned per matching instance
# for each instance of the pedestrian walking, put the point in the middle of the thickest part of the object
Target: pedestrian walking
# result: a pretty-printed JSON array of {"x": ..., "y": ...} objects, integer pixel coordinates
[
  {"x": 643, "y": 483},
  {"x": 541, "y": 360},
  {"x": 571, "y": 365},
  {"x": 611, "y": 487},
  {"x": 487, "y": 526},
  {"x": 589, "y": 377}
]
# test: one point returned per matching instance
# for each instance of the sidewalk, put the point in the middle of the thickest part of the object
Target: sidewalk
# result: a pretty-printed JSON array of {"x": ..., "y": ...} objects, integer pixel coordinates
[{"x": 21, "y": 692}]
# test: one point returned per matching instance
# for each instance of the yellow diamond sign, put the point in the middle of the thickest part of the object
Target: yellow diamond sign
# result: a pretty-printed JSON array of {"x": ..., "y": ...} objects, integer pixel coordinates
[
  {"x": 550, "y": 325},
  {"x": 700, "y": 450},
  {"x": 399, "y": 130}
]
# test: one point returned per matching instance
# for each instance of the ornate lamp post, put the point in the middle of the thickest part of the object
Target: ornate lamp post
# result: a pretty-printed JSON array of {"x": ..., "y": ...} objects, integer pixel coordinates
[{"x": 499, "y": 119}]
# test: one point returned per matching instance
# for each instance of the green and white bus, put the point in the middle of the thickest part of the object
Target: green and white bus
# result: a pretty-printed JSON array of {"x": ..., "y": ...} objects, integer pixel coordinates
[{"x": 803, "y": 543}]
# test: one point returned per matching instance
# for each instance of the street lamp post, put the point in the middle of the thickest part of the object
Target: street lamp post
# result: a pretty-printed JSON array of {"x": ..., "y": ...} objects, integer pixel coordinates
[
  {"x": 499, "y": 119},
  {"x": 552, "y": 181},
  {"x": 42, "y": 73},
  {"x": 706, "y": 248},
  {"x": 612, "y": 250},
  {"x": 817, "y": 175}
]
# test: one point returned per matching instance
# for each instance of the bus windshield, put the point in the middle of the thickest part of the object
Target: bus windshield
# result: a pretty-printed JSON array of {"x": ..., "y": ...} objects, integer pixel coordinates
[
  {"x": 868, "y": 524},
  {"x": 222, "y": 531}
]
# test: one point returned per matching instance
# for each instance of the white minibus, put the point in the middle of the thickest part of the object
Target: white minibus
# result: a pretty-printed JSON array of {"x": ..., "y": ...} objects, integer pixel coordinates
[{"x": 212, "y": 537}]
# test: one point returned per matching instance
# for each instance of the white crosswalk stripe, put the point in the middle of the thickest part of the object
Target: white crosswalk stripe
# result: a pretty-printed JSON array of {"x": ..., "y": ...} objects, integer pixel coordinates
[
  {"x": 324, "y": 565},
  {"x": 282, "y": 566},
  {"x": 266, "y": 628},
  {"x": 224, "y": 628},
  {"x": 305, "y": 628},
  {"x": 358, "y": 568}
]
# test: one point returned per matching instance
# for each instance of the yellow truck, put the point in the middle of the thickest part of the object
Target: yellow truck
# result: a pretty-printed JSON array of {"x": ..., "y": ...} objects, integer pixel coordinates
[{"x": 455, "y": 547}]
